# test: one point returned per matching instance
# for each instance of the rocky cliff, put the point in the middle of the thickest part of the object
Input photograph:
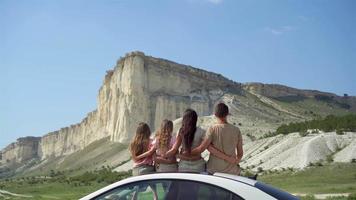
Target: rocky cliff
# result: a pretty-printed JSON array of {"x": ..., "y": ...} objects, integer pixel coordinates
[
  {"x": 22, "y": 150},
  {"x": 139, "y": 88},
  {"x": 288, "y": 94},
  {"x": 148, "y": 89}
]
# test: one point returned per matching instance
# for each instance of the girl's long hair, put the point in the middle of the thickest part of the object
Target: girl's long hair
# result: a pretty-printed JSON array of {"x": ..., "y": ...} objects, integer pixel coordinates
[
  {"x": 164, "y": 134},
  {"x": 189, "y": 126},
  {"x": 141, "y": 140}
]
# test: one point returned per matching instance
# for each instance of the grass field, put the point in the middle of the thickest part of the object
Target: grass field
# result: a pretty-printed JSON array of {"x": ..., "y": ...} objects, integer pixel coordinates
[
  {"x": 55, "y": 190},
  {"x": 333, "y": 178}
]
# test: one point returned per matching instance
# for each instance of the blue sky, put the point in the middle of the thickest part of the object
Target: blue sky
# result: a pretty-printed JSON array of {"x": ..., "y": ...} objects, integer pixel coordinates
[{"x": 54, "y": 54}]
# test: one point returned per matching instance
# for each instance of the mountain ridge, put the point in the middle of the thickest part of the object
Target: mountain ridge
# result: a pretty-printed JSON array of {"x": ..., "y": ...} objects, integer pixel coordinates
[{"x": 150, "y": 89}]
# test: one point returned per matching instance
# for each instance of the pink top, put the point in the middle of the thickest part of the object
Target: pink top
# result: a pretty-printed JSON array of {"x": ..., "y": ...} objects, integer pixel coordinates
[
  {"x": 146, "y": 160},
  {"x": 171, "y": 143}
]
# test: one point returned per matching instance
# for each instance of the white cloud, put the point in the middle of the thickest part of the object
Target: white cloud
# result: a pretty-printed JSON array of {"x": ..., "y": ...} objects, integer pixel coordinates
[
  {"x": 280, "y": 30},
  {"x": 215, "y": 1}
]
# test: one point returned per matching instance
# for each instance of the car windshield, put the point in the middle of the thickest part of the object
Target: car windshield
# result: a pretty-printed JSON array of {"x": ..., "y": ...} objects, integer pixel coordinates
[{"x": 274, "y": 192}]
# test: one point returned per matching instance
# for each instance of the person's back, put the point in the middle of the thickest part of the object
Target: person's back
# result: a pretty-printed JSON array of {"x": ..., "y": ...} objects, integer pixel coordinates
[
  {"x": 224, "y": 142},
  {"x": 196, "y": 164},
  {"x": 224, "y": 137},
  {"x": 189, "y": 136}
]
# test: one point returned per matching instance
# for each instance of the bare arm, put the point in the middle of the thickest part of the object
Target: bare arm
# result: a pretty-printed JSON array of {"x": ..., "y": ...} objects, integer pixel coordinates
[
  {"x": 188, "y": 157},
  {"x": 239, "y": 149},
  {"x": 221, "y": 155},
  {"x": 160, "y": 159},
  {"x": 175, "y": 147},
  {"x": 146, "y": 154},
  {"x": 204, "y": 145}
]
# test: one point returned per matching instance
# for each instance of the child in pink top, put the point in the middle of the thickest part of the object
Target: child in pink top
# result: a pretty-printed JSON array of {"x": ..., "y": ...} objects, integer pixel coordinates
[
  {"x": 142, "y": 150},
  {"x": 148, "y": 160}
]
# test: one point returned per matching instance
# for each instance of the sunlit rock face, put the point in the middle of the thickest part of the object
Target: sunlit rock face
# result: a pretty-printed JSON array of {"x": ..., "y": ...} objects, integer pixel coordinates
[
  {"x": 22, "y": 150},
  {"x": 139, "y": 89},
  {"x": 148, "y": 89}
]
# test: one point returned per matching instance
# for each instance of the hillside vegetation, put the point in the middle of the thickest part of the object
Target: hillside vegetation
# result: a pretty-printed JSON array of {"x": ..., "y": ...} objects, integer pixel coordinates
[
  {"x": 61, "y": 184},
  {"x": 330, "y": 123}
]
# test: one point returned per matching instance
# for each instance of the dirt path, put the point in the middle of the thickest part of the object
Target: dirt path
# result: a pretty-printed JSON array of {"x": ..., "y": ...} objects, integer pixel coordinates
[
  {"x": 7, "y": 193},
  {"x": 325, "y": 196}
]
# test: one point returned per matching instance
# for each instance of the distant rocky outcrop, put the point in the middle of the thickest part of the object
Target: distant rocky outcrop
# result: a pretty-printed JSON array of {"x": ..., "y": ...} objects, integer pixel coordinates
[
  {"x": 289, "y": 94},
  {"x": 148, "y": 89},
  {"x": 20, "y": 151}
]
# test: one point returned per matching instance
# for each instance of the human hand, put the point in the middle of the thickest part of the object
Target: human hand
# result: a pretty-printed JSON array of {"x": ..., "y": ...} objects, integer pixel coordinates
[
  {"x": 184, "y": 153},
  {"x": 164, "y": 154},
  {"x": 232, "y": 160}
]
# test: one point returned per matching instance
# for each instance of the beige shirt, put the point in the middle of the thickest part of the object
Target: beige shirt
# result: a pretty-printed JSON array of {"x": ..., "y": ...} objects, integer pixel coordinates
[{"x": 225, "y": 138}]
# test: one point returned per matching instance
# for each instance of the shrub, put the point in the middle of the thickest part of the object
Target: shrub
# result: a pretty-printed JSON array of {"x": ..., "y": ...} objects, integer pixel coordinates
[
  {"x": 353, "y": 160},
  {"x": 303, "y": 133},
  {"x": 329, "y": 123},
  {"x": 251, "y": 137},
  {"x": 290, "y": 169},
  {"x": 352, "y": 196},
  {"x": 259, "y": 169},
  {"x": 247, "y": 173},
  {"x": 340, "y": 132},
  {"x": 329, "y": 158},
  {"x": 315, "y": 131}
]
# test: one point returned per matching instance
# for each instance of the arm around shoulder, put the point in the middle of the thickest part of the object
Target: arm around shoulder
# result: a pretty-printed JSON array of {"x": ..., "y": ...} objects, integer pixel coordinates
[
  {"x": 146, "y": 154},
  {"x": 175, "y": 147}
]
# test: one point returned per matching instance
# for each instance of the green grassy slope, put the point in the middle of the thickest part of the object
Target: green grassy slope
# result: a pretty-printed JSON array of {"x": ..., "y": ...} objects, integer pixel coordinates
[
  {"x": 333, "y": 178},
  {"x": 94, "y": 156}
]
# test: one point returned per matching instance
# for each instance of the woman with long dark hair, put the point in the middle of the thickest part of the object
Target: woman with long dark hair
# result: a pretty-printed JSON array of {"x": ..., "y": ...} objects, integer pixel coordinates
[{"x": 189, "y": 136}]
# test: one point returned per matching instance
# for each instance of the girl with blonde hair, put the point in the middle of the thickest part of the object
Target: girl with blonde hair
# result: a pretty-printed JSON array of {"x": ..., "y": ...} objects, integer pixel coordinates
[{"x": 163, "y": 142}]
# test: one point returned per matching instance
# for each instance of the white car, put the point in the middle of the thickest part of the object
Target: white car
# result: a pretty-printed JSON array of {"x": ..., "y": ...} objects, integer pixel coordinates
[{"x": 186, "y": 186}]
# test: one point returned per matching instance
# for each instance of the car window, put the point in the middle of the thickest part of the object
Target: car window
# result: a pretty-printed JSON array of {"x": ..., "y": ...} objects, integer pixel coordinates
[
  {"x": 274, "y": 192},
  {"x": 168, "y": 190}
]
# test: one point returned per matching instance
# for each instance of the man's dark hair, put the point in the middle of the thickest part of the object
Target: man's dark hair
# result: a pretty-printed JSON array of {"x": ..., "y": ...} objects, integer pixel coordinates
[{"x": 221, "y": 110}]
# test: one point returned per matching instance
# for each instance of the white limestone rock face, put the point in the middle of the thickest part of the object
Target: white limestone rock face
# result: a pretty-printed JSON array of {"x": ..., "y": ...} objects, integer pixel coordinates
[
  {"x": 146, "y": 89},
  {"x": 294, "y": 151},
  {"x": 21, "y": 150},
  {"x": 348, "y": 153},
  {"x": 71, "y": 139},
  {"x": 139, "y": 89}
]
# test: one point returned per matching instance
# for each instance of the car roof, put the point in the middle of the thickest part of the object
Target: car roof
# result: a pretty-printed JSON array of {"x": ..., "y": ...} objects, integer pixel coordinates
[
  {"x": 237, "y": 178},
  {"x": 244, "y": 185}
]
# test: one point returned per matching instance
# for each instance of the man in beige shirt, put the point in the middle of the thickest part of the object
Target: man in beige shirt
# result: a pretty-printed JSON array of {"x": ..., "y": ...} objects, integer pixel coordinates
[{"x": 227, "y": 139}]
